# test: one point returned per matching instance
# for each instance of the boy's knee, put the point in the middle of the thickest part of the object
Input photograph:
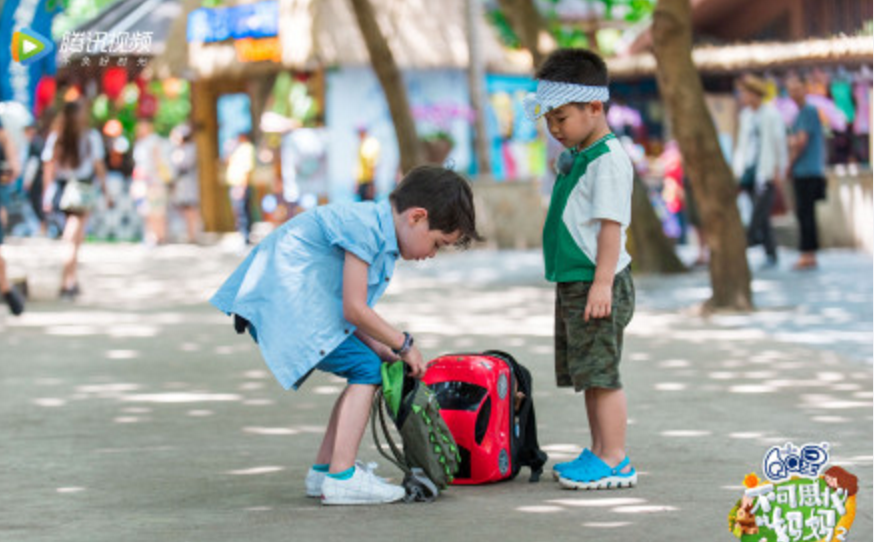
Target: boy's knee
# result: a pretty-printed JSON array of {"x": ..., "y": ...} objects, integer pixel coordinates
[
  {"x": 362, "y": 389},
  {"x": 366, "y": 378},
  {"x": 363, "y": 386}
]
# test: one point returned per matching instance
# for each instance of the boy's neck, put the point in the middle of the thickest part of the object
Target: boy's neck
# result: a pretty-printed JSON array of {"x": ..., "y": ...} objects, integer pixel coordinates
[
  {"x": 597, "y": 134},
  {"x": 396, "y": 219}
]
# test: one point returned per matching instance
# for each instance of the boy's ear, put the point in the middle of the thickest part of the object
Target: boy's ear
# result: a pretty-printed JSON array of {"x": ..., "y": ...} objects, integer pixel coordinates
[
  {"x": 417, "y": 214},
  {"x": 597, "y": 106}
]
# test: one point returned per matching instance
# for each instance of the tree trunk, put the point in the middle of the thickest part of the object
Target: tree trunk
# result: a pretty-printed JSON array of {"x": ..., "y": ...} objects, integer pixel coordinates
[
  {"x": 712, "y": 181},
  {"x": 528, "y": 25},
  {"x": 650, "y": 248},
  {"x": 383, "y": 62},
  {"x": 476, "y": 81}
]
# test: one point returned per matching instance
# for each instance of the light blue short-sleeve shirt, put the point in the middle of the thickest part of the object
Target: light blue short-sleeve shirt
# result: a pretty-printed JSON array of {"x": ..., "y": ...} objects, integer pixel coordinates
[{"x": 290, "y": 287}]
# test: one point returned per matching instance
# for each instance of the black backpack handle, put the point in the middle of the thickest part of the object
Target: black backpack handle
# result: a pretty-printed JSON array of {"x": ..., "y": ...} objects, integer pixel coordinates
[{"x": 529, "y": 452}]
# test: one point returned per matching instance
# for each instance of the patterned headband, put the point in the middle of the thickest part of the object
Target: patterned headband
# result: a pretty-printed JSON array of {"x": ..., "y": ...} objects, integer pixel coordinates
[{"x": 552, "y": 95}]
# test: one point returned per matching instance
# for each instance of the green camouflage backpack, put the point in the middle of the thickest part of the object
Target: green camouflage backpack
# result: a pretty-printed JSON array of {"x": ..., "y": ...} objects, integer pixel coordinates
[{"x": 430, "y": 457}]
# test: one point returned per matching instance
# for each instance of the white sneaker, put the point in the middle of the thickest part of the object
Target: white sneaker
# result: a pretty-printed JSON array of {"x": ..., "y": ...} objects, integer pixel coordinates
[
  {"x": 314, "y": 482},
  {"x": 315, "y": 479},
  {"x": 362, "y": 488}
]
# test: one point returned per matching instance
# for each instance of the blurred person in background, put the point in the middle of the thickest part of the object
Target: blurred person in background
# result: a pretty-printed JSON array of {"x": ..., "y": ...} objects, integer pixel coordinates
[
  {"x": 676, "y": 182},
  {"x": 807, "y": 159},
  {"x": 186, "y": 192},
  {"x": 241, "y": 165},
  {"x": 73, "y": 159},
  {"x": 365, "y": 169},
  {"x": 305, "y": 167},
  {"x": 9, "y": 171},
  {"x": 36, "y": 133},
  {"x": 151, "y": 177},
  {"x": 760, "y": 160}
]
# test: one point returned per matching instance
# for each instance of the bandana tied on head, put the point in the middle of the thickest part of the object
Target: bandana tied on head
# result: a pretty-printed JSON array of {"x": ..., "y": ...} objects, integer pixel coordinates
[{"x": 552, "y": 95}]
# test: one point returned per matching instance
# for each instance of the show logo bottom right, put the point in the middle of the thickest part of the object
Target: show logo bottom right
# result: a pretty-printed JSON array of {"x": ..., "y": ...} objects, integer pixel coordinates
[{"x": 800, "y": 498}]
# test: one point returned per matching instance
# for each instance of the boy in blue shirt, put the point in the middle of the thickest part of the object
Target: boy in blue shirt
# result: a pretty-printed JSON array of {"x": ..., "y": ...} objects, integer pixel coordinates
[
  {"x": 306, "y": 295},
  {"x": 584, "y": 252}
]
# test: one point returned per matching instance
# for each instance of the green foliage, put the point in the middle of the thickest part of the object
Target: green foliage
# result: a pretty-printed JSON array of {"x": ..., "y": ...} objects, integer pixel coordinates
[
  {"x": 568, "y": 34},
  {"x": 172, "y": 111},
  {"x": 630, "y": 11},
  {"x": 438, "y": 135},
  {"x": 74, "y": 13},
  {"x": 505, "y": 32},
  {"x": 52, "y": 5},
  {"x": 124, "y": 110},
  {"x": 292, "y": 99}
]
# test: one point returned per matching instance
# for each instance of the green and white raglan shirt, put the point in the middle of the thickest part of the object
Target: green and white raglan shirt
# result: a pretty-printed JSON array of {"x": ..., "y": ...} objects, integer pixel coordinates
[{"x": 598, "y": 187}]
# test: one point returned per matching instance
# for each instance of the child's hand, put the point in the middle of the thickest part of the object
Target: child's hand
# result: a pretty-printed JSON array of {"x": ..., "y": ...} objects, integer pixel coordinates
[
  {"x": 600, "y": 301},
  {"x": 413, "y": 358}
]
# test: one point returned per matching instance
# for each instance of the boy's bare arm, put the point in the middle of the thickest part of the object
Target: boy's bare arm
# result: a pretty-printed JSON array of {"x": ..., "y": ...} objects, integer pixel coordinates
[
  {"x": 383, "y": 351},
  {"x": 358, "y": 313},
  {"x": 600, "y": 300}
]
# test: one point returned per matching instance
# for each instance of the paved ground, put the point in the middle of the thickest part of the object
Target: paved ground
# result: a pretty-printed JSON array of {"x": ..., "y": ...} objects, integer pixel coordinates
[{"x": 137, "y": 414}]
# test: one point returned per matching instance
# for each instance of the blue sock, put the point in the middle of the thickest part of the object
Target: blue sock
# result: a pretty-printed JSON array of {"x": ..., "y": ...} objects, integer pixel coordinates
[
  {"x": 321, "y": 467},
  {"x": 345, "y": 475}
]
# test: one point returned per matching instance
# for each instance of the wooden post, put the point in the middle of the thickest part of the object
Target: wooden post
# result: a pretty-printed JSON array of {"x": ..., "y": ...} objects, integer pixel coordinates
[
  {"x": 214, "y": 204},
  {"x": 476, "y": 81}
]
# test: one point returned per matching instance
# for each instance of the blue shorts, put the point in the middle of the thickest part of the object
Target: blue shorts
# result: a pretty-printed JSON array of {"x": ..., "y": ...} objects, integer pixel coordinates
[{"x": 354, "y": 361}]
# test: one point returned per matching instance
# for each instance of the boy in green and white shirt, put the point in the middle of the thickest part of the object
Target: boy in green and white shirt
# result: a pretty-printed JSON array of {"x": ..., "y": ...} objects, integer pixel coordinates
[{"x": 584, "y": 251}]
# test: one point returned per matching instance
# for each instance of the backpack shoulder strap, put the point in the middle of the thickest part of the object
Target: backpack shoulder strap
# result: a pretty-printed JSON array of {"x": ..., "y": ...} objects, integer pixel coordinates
[
  {"x": 378, "y": 411},
  {"x": 529, "y": 453}
]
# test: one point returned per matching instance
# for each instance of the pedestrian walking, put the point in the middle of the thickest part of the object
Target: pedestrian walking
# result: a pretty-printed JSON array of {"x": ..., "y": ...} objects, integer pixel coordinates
[
  {"x": 35, "y": 133},
  {"x": 760, "y": 160},
  {"x": 152, "y": 176},
  {"x": 186, "y": 191},
  {"x": 365, "y": 167},
  {"x": 241, "y": 165},
  {"x": 72, "y": 167}
]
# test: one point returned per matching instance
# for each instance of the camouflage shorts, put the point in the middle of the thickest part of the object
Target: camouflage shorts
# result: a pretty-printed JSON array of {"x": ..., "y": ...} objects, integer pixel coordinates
[{"x": 587, "y": 354}]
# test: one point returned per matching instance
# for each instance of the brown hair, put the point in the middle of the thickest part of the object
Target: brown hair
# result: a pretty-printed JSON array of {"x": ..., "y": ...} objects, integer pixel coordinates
[
  {"x": 447, "y": 197},
  {"x": 845, "y": 480},
  {"x": 756, "y": 85},
  {"x": 70, "y": 133}
]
